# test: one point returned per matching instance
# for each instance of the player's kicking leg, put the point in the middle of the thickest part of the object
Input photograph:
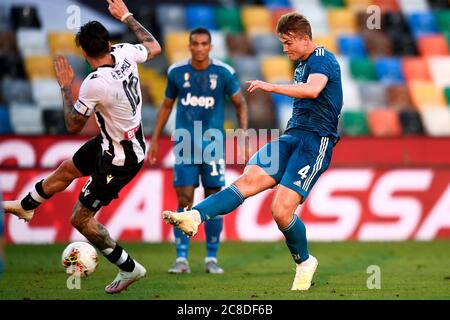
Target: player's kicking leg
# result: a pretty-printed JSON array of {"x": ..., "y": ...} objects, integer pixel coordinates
[
  {"x": 58, "y": 181},
  {"x": 284, "y": 204},
  {"x": 130, "y": 270}
]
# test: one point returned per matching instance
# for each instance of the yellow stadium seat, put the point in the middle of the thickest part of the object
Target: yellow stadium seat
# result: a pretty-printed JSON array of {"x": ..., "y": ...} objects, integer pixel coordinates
[
  {"x": 328, "y": 41},
  {"x": 276, "y": 69},
  {"x": 176, "y": 46},
  {"x": 358, "y": 5},
  {"x": 39, "y": 67},
  {"x": 425, "y": 94},
  {"x": 256, "y": 20},
  {"x": 62, "y": 42},
  {"x": 342, "y": 21}
]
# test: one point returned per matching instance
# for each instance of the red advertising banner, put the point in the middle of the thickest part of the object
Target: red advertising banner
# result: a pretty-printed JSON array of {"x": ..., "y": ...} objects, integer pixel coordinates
[{"x": 386, "y": 199}]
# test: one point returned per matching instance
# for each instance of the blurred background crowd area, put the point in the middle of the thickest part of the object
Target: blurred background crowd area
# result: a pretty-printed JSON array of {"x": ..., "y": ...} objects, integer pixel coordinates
[{"x": 396, "y": 78}]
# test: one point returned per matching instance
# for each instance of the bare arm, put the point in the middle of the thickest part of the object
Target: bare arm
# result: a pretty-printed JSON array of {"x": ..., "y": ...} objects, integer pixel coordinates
[
  {"x": 75, "y": 122},
  {"x": 241, "y": 110},
  {"x": 309, "y": 90},
  {"x": 118, "y": 10},
  {"x": 161, "y": 120}
]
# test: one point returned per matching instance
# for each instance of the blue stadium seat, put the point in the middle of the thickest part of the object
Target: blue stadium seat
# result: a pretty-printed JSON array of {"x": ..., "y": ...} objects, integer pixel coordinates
[
  {"x": 5, "y": 124},
  {"x": 389, "y": 71},
  {"x": 200, "y": 16},
  {"x": 351, "y": 46},
  {"x": 422, "y": 23},
  {"x": 277, "y": 3}
]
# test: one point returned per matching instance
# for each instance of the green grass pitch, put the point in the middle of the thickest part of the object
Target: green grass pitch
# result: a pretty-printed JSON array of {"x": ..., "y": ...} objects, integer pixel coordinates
[{"x": 253, "y": 271}]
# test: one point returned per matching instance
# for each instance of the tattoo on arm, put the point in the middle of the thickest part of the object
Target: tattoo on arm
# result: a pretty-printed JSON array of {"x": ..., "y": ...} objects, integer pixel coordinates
[
  {"x": 141, "y": 33},
  {"x": 74, "y": 121}
]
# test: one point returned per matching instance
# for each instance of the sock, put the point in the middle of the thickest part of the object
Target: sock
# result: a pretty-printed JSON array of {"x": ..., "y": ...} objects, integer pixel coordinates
[
  {"x": 33, "y": 199},
  {"x": 213, "y": 228},
  {"x": 119, "y": 257},
  {"x": 181, "y": 241},
  {"x": 220, "y": 203},
  {"x": 295, "y": 234}
]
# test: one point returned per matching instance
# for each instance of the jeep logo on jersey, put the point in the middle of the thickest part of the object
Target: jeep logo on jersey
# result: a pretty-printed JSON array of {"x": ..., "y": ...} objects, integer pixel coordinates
[{"x": 194, "y": 101}]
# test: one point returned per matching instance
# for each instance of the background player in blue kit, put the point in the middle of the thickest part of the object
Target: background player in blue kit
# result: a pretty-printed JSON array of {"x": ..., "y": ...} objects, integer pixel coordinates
[
  {"x": 298, "y": 157},
  {"x": 201, "y": 85}
]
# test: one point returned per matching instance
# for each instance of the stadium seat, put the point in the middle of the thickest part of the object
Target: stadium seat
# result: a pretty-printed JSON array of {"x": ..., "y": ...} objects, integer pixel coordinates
[
  {"x": 447, "y": 95},
  {"x": 8, "y": 43},
  {"x": 39, "y": 67},
  {"x": 394, "y": 21},
  {"x": 329, "y": 42},
  {"x": 377, "y": 43},
  {"x": 32, "y": 42},
  {"x": 277, "y": 13},
  {"x": 443, "y": 20},
  {"x": 256, "y": 20},
  {"x": 438, "y": 4},
  {"x": 266, "y": 45},
  {"x": 415, "y": 68},
  {"x": 387, "y": 5},
  {"x": 171, "y": 18},
  {"x": 351, "y": 46},
  {"x": 276, "y": 3},
  {"x": 176, "y": 46},
  {"x": 4, "y": 18},
  {"x": 228, "y": 19},
  {"x": 373, "y": 95},
  {"x": 410, "y": 6},
  {"x": 352, "y": 99},
  {"x": 333, "y": 3},
  {"x": 362, "y": 69},
  {"x": 247, "y": 68},
  {"x": 62, "y": 43},
  {"x": 389, "y": 70},
  {"x": 384, "y": 123},
  {"x": 432, "y": 45},
  {"x": 398, "y": 97},
  {"x": 341, "y": 21},
  {"x": 422, "y": 23},
  {"x": 54, "y": 123},
  {"x": 11, "y": 65},
  {"x": 200, "y": 16},
  {"x": 238, "y": 44},
  {"x": 440, "y": 70},
  {"x": 5, "y": 124},
  {"x": 354, "y": 123},
  {"x": 425, "y": 95},
  {"x": 411, "y": 122},
  {"x": 46, "y": 93},
  {"x": 316, "y": 14},
  {"x": 25, "y": 16},
  {"x": 16, "y": 91},
  {"x": 358, "y": 5},
  {"x": 403, "y": 43},
  {"x": 436, "y": 121},
  {"x": 276, "y": 69},
  {"x": 26, "y": 120}
]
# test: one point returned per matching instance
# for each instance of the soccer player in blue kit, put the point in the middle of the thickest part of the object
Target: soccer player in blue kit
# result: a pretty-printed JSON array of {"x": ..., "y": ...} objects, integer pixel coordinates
[
  {"x": 304, "y": 150},
  {"x": 201, "y": 85}
]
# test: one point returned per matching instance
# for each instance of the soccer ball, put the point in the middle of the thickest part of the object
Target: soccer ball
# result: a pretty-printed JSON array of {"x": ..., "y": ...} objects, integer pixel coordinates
[{"x": 79, "y": 258}]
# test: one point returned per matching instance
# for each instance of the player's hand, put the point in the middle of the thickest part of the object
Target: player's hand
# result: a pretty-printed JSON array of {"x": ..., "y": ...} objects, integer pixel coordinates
[
  {"x": 152, "y": 153},
  {"x": 117, "y": 8},
  {"x": 258, "y": 84},
  {"x": 63, "y": 70}
]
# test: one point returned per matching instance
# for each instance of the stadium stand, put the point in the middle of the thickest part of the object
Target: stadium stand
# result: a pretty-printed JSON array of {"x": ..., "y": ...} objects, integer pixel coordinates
[{"x": 396, "y": 79}]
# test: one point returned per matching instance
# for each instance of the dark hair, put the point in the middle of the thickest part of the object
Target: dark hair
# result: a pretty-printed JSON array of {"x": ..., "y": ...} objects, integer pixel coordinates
[
  {"x": 200, "y": 30},
  {"x": 93, "y": 38},
  {"x": 294, "y": 23}
]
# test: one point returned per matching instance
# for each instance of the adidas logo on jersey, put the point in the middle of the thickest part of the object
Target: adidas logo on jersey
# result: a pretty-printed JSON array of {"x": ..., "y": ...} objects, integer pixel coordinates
[
  {"x": 194, "y": 101},
  {"x": 298, "y": 183},
  {"x": 320, "y": 51}
]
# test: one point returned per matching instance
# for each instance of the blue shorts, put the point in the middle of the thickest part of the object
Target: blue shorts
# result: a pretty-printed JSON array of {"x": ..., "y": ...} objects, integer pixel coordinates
[
  {"x": 213, "y": 174},
  {"x": 295, "y": 160}
]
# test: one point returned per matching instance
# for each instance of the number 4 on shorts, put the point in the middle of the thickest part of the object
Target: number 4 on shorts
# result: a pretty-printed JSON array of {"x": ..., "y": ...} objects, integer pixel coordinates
[{"x": 304, "y": 171}]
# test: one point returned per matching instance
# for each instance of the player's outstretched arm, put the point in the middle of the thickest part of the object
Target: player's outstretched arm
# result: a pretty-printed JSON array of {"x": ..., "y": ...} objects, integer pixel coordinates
[
  {"x": 309, "y": 90},
  {"x": 119, "y": 10},
  {"x": 161, "y": 120},
  {"x": 64, "y": 74}
]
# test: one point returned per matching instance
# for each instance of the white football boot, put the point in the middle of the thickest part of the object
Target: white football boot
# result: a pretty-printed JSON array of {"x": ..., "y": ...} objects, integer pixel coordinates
[
  {"x": 187, "y": 221},
  {"x": 124, "y": 279},
  {"x": 15, "y": 208},
  {"x": 304, "y": 274}
]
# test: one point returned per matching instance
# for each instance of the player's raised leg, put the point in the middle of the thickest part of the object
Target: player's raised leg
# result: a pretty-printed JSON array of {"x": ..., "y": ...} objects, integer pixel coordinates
[
  {"x": 284, "y": 204},
  {"x": 252, "y": 181},
  {"x": 130, "y": 270},
  {"x": 56, "y": 182}
]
